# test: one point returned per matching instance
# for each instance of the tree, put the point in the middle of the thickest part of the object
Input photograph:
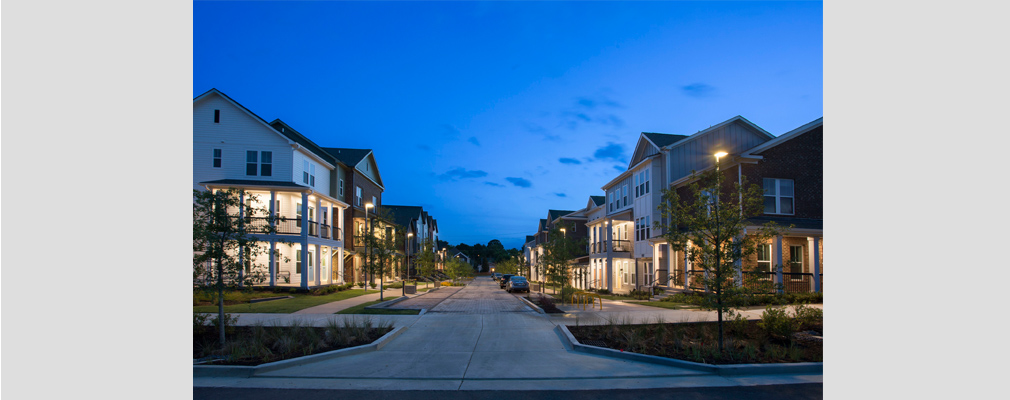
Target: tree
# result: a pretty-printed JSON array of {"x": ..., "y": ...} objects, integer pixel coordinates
[
  {"x": 223, "y": 249},
  {"x": 509, "y": 266},
  {"x": 425, "y": 261},
  {"x": 382, "y": 246},
  {"x": 456, "y": 268},
  {"x": 709, "y": 226},
  {"x": 558, "y": 252}
]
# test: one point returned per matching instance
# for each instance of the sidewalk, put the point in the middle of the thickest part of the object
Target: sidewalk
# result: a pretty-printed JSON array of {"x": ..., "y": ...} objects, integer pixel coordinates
[{"x": 333, "y": 307}]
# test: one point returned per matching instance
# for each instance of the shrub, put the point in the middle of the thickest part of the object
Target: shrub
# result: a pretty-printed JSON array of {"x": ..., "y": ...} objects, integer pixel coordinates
[
  {"x": 640, "y": 294},
  {"x": 776, "y": 323},
  {"x": 372, "y": 284},
  {"x": 808, "y": 317},
  {"x": 361, "y": 284},
  {"x": 446, "y": 283},
  {"x": 603, "y": 291},
  {"x": 657, "y": 290}
]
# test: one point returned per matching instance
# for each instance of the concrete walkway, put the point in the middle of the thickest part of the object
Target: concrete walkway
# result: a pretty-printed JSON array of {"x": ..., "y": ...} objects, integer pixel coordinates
[{"x": 508, "y": 347}]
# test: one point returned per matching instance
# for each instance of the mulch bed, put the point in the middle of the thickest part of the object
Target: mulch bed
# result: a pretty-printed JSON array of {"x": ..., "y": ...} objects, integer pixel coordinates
[
  {"x": 547, "y": 304},
  {"x": 698, "y": 342},
  {"x": 279, "y": 343}
]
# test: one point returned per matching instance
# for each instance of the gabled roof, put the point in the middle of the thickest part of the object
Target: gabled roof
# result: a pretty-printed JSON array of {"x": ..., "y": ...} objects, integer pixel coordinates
[
  {"x": 350, "y": 157},
  {"x": 542, "y": 226},
  {"x": 240, "y": 106},
  {"x": 784, "y": 137},
  {"x": 297, "y": 137},
  {"x": 598, "y": 200},
  {"x": 663, "y": 139},
  {"x": 403, "y": 215},
  {"x": 529, "y": 238},
  {"x": 555, "y": 214},
  {"x": 702, "y": 132}
]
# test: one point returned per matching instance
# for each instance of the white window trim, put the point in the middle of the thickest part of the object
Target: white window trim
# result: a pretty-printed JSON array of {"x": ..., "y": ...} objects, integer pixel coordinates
[
  {"x": 791, "y": 262},
  {"x": 778, "y": 196}
]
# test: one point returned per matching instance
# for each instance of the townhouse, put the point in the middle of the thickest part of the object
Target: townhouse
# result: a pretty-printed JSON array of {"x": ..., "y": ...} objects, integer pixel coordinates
[
  {"x": 416, "y": 227},
  {"x": 626, "y": 249},
  {"x": 235, "y": 148}
]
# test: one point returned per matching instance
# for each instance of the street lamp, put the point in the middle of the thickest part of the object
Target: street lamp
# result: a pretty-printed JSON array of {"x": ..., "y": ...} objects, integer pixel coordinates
[
  {"x": 371, "y": 230},
  {"x": 406, "y": 247}
]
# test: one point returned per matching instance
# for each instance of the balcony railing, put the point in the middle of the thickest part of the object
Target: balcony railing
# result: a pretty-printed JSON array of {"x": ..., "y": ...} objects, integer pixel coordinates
[
  {"x": 622, "y": 245},
  {"x": 291, "y": 227}
]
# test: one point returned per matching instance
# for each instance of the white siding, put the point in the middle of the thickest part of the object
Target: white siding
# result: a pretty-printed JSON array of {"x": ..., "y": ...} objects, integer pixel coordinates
[
  {"x": 322, "y": 173},
  {"x": 619, "y": 189},
  {"x": 643, "y": 207},
  {"x": 236, "y": 133}
]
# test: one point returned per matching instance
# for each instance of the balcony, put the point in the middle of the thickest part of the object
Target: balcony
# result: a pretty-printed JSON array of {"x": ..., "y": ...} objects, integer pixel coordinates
[
  {"x": 292, "y": 227},
  {"x": 622, "y": 246}
]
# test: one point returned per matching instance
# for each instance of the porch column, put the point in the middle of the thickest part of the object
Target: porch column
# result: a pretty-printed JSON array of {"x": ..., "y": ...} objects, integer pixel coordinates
[
  {"x": 610, "y": 255},
  {"x": 318, "y": 266},
  {"x": 777, "y": 248},
  {"x": 319, "y": 217},
  {"x": 273, "y": 212},
  {"x": 815, "y": 255},
  {"x": 241, "y": 251},
  {"x": 305, "y": 241},
  {"x": 339, "y": 262},
  {"x": 273, "y": 263}
]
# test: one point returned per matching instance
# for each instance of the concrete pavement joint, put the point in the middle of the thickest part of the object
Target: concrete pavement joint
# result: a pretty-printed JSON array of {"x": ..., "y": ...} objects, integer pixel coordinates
[{"x": 470, "y": 361}]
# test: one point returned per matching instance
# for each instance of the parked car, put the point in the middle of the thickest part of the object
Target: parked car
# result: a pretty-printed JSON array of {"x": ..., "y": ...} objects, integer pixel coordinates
[
  {"x": 517, "y": 284},
  {"x": 496, "y": 276},
  {"x": 504, "y": 279}
]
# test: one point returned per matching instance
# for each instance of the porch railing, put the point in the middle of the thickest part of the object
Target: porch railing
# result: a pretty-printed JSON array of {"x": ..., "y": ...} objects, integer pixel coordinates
[
  {"x": 622, "y": 245},
  {"x": 291, "y": 227}
]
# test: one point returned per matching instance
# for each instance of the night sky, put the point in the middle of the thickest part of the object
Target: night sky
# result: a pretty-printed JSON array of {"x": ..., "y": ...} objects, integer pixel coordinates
[{"x": 488, "y": 114}]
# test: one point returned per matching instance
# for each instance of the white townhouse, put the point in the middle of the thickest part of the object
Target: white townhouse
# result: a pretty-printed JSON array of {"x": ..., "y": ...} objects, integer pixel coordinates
[{"x": 287, "y": 174}]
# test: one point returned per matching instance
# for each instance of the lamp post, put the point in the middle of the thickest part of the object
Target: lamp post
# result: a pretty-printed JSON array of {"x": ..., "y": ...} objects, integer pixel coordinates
[
  {"x": 368, "y": 259},
  {"x": 406, "y": 248}
]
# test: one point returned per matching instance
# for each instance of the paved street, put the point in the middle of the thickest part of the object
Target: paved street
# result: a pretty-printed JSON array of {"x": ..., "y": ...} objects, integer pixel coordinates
[{"x": 479, "y": 338}]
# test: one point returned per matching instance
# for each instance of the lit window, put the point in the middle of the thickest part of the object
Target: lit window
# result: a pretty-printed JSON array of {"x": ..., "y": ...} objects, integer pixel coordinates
[
  {"x": 778, "y": 196},
  {"x": 796, "y": 262},
  {"x": 764, "y": 258}
]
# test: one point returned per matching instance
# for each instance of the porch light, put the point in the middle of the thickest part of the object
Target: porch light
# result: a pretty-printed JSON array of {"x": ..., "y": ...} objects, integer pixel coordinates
[{"x": 720, "y": 154}]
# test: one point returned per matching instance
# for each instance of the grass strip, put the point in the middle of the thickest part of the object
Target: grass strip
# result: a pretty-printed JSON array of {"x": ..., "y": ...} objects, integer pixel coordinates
[{"x": 299, "y": 302}]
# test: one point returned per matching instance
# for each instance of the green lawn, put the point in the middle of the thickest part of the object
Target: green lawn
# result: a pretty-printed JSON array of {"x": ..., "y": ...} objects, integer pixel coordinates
[
  {"x": 299, "y": 302},
  {"x": 360, "y": 309}
]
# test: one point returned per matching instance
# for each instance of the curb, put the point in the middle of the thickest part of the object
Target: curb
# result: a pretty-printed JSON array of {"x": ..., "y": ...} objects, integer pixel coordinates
[
  {"x": 270, "y": 299},
  {"x": 387, "y": 303},
  {"x": 531, "y": 305},
  {"x": 723, "y": 370},
  {"x": 241, "y": 371}
]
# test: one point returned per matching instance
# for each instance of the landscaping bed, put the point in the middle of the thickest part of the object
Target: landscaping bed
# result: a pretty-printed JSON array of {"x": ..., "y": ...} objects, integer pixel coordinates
[
  {"x": 546, "y": 303},
  {"x": 255, "y": 345},
  {"x": 298, "y": 301},
  {"x": 775, "y": 339}
]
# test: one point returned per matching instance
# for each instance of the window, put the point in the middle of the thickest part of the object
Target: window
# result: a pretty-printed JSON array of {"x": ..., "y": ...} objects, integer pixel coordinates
[
  {"x": 266, "y": 163},
  {"x": 340, "y": 186},
  {"x": 778, "y": 196},
  {"x": 312, "y": 270},
  {"x": 258, "y": 161},
  {"x": 625, "y": 196},
  {"x": 796, "y": 262},
  {"x": 764, "y": 256},
  {"x": 298, "y": 215},
  {"x": 357, "y": 196},
  {"x": 375, "y": 203},
  {"x": 308, "y": 173},
  {"x": 298, "y": 261},
  {"x": 217, "y": 116},
  {"x": 217, "y": 158},
  {"x": 251, "y": 162},
  {"x": 277, "y": 208},
  {"x": 646, "y": 181},
  {"x": 637, "y": 184},
  {"x": 648, "y": 220}
]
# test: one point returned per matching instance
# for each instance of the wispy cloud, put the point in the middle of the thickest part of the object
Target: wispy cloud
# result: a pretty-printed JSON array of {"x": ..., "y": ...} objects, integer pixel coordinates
[
  {"x": 698, "y": 90},
  {"x": 519, "y": 182},
  {"x": 493, "y": 184},
  {"x": 619, "y": 168},
  {"x": 560, "y": 195},
  {"x": 591, "y": 109},
  {"x": 424, "y": 147},
  {"x": 566, "y": 160},
  {"x": 449, "y": 131},
  {"x": 539, "y": 130},
  {"x": 456, "y": 174},
  {"x": 611, "y": 151},
  {"x": 473, "y": 139}
]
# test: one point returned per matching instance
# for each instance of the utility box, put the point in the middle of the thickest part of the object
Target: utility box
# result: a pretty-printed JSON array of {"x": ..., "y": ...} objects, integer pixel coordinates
[{"x": 410, "y": 289}]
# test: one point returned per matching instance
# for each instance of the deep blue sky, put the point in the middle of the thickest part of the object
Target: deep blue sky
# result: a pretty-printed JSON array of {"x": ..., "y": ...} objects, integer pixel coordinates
[{"x": 488, "y": 114}]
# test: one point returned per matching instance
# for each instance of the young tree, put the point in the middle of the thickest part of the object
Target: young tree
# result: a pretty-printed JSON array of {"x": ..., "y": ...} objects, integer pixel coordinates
[
  {"x": 456, "y": 268},
  {"x": 223, "y": 249},
  {"x": 509, "y": 266},
  {"x": 708, "y": 225},
  {"x": 381, "y": 245},
  {"x": 558, "y": 252},
  {"x": 425, "y": 261}
]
